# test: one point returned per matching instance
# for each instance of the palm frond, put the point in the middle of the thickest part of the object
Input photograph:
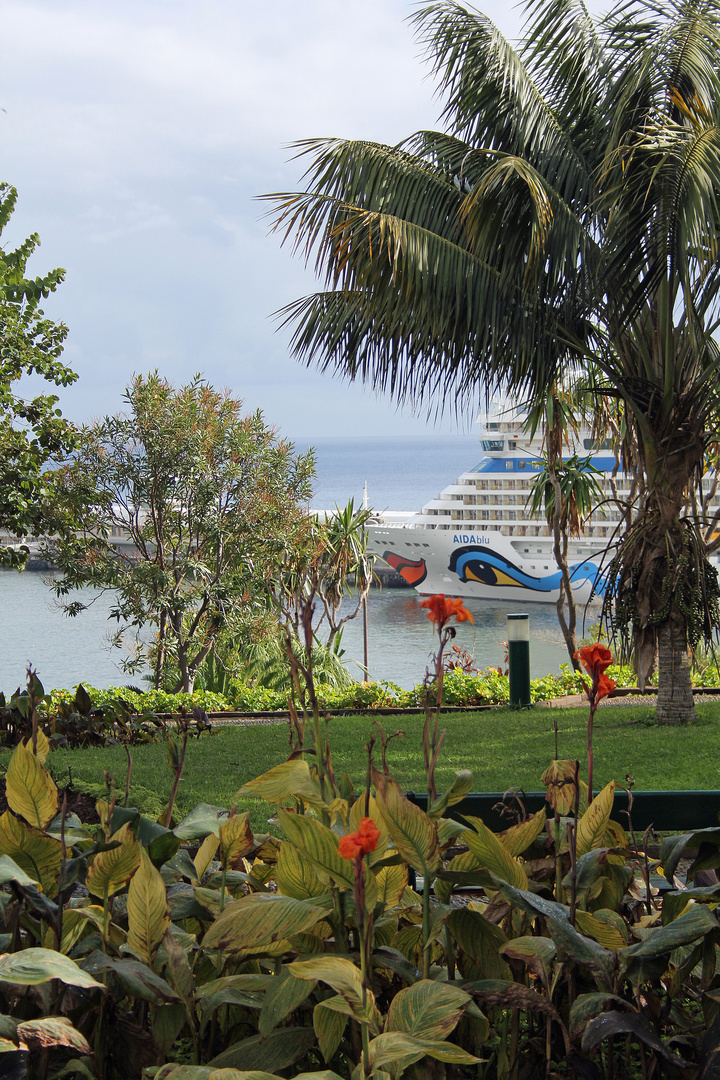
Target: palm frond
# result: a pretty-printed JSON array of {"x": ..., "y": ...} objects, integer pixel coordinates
[{"x": 491, "y": 99}]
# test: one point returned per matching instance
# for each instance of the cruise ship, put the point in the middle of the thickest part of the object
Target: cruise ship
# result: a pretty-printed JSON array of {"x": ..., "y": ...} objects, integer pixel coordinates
[{"x": 478, "y": 539}]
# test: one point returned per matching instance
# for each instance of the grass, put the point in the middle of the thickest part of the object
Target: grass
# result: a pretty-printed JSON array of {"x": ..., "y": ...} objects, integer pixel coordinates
[{"x": 503, "y": 748}]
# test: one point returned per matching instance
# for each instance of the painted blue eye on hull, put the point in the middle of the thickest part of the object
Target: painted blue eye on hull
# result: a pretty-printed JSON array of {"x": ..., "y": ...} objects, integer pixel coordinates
[{"x": 478, "y": 564}]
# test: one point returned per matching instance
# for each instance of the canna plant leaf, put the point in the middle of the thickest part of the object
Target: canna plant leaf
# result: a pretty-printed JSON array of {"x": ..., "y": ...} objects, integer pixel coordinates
[
  {"x": 459, "y": 788},
  {"x": 694, "y": 922},
  {"x": 289, "y": 780},
  {"x": 260, "y": 919},
  {"x": 391, "y": 884},
  {"x": 518, "y": 838},
  {"x": 295, "y": 875},
  {"x": 427, "y": 1009},
  {"x": 490, "y": 853},
  {"x": 346, "y": 980},
  {"x": 52, "y": 1031},
  {"x": 42, "y": 746},
  {"x": 279, "y": 1050},
  {"x": 481, "y": 942},
  {"x": 205, "y": 855},
  {"x": 147, "y": 909},
  {"x": 320, "y": 845},
  {"x": 31, "y": 791},
  {"x": 607, "y": 935},
  {"x": 592, "y": 826},
  {"x": 110, "y": 871},
  {"x": 412, "y": 832},
  {"x": 10, "y": 871},
  {"x": 236, "y": 839},
  {"x": 537, "y": 953},
  {"x": 329, "y": 1026},
  {"x": 398, "y": 1048},
  {"x": 559, "y": 778},
  {"x": 38, "y": 855},
  {"x": 33, "y": 966},
  {"x": 283, "y": 996}
]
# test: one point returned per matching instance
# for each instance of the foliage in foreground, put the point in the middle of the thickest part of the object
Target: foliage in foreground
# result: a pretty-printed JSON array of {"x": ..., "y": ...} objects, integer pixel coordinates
[{"x": 186, "y": 950}]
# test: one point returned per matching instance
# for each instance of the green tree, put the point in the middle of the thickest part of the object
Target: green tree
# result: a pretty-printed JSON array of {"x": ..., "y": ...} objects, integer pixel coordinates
[
  {"x": 33, "y": 433},
  {"x": 188, "y": 507},
  {"x": 566, "y": 219}
]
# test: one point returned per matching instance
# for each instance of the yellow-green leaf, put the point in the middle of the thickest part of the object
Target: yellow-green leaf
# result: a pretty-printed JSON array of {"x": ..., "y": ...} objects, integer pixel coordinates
[
  {"x": 395, "y": 1047},
  {"x": 606, "y": 935},
  {"x": 236, "y": 839},
  {"x": 30, "y": 790},
  {"x": 427, "y": 1009},
  {"x": 295, "y": 875},
  {"x": 290, "y": 780},
  {"x": 147, "y": 909},
  {"x": 110, "y": 871},
  {"x": 42, "y": 746},
  {"x": 329, "y": 1026},
  {"x": 457, "y": 791},
  {"x": 259, "y": 919},
  {"x": 391, "y": 882},
  {"x": 480, "y": 940},
  {"x": 490, "y": 853},
  {"x": 412, "y": 832},
  {"x": 518, "y": 838},
  {"x": 33, "y": 966},
  {"x": 594, "y": 822},
  {"x": 205, "y": 855},
  {"x": 38, "y": 855},
  {"x": 320, "y": 845},
  {"x": 282, "y": 997},
  {"x": 346, "y": 981}
]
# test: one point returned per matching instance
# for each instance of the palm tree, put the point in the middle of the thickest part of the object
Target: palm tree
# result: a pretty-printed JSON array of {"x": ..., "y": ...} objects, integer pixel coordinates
[{"x": 566, "y": 219}]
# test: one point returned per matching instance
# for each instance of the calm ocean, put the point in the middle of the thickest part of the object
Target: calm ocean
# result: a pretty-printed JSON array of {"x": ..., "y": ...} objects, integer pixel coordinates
[{"x": 401, "y": 474}]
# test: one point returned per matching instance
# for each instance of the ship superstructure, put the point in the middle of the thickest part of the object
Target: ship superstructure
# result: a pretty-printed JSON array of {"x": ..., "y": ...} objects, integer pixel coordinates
[{"x": 478, "y": 538}]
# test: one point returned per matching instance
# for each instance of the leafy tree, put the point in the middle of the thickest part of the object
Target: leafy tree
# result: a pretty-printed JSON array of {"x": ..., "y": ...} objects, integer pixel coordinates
[
  {"x": 32, "y": 431},
  {"x": 209, "y": 501},
  {"x": 567, "y": 219}
]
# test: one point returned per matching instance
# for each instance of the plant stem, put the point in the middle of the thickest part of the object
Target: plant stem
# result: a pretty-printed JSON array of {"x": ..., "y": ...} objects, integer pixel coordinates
[{"x": 426, "y": 924}]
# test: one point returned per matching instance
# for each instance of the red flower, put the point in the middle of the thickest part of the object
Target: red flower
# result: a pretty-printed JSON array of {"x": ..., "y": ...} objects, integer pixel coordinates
[
  {"x": 349, "y": 846},
  {"x": 356, "y": 844},
  {"x": 595, "y": 659},
  {"x": 442, "y": 608},
  {"x": 605, "y": 686},
  {"x": 368, "y": 834}
]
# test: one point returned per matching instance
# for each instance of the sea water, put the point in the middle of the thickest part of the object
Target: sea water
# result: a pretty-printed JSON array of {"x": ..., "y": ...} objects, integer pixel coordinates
[{"x": 401, "y": 474}]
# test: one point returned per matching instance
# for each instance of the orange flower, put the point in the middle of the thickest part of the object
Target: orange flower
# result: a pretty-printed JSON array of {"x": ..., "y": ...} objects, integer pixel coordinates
[
  {"x": 594, "y": 658},
  {"x": 442, "y": 608},
  {"x": 605, "y": 686},
  {"x": 356, "y": 844},
  {"x": 349, "y": 846},
  {"x": 368, "y": 834}
]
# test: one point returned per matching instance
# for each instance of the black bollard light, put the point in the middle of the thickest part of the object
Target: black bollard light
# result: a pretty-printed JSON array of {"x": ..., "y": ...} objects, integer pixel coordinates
[{"x": 518, "y": 637}]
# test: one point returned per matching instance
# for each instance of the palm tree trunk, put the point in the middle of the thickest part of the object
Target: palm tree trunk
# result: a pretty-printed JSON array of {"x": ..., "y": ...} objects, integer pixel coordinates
[{"x": 675, "y": 698}]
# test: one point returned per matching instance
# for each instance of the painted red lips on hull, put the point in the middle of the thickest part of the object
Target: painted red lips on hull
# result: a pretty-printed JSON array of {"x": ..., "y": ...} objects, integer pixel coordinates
[{"x": 414, "y": 571}]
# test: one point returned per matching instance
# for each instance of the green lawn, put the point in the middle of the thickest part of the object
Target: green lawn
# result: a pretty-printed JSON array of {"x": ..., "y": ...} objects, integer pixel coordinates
[{"x": 503, "y": 748}]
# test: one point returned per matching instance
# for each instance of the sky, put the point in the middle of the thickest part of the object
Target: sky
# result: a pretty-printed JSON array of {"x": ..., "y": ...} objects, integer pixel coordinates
[{"x": 139, "y": 135}]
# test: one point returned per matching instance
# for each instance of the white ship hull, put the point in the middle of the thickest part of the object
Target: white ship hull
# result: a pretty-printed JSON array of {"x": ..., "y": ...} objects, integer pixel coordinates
[{"x": 479, "y": 565}]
